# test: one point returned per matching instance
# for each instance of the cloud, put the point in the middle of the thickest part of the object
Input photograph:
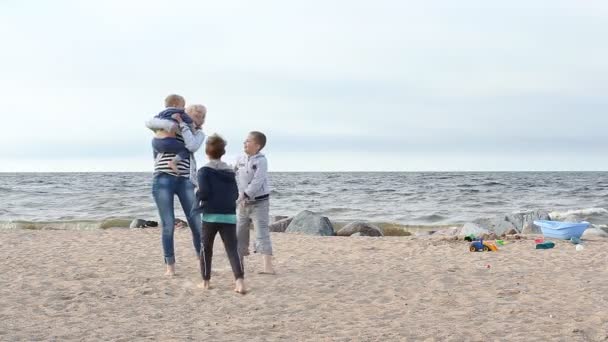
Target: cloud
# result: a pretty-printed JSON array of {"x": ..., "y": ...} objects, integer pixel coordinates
[{"x": 470, "y": 77}]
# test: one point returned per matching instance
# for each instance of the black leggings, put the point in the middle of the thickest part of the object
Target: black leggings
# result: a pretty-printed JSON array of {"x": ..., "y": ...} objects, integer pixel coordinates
[{"x": 228, "y": 233}]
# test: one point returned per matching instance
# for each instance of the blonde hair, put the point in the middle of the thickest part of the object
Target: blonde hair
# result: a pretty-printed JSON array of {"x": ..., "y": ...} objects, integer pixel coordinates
[
  {"x": 197, "y": 112},
  {"x": 175, "y": 100}
]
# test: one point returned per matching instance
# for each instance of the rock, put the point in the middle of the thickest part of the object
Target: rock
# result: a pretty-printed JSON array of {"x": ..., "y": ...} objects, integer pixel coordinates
[
  {"x": 502, "y": 226},
  {"x": 472, "y": 228},
  {"x": 489, "y": 236},
  {"x": 591, "y": 233},
  {"x": 281, "y": 225},
  {"x": 512, "y": 231},
  {"x": 498, "y": 225},
  {"x": 307, "y": 222},
  {"x": 179, "y": 223},
  {"x": 518, "y": 221},
  {"x": 524, "y": 221},
  {"x": 278, "y": 218},
  {"x": 365, "y": 229},
  {"x": 357, "y": 234},
  {"x": 138, "y": 223}
]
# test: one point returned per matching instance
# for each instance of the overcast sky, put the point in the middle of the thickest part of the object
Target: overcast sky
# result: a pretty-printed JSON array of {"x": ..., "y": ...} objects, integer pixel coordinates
[{"x": 336, "y": 85}]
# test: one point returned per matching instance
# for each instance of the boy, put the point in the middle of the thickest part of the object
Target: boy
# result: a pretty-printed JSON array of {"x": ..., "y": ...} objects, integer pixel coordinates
[
  {"x": 254, "y": 192},
  {"x": 216, "y": 200},
  {"x": 165, "y": 140}
]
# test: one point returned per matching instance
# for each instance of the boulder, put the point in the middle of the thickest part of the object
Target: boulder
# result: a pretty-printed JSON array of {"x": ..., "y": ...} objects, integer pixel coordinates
[
  {"x": 512, "y": 231},
  {"x": 524, "y": 221},
  {"x": 357, "y": 234},
  {"x": 489, "y": 236},
  {"x": 591, "y": 233},
  {"x": 472, "y": 228},
  {"x": 365, "y": 229},
  {"x": 307, "y": 222},
  {"x": 519, "y": 221},
  {"x": 277, "y": 218},
  {"x": 280, "y": 226},
  {"x": 498, "y": 225},
  {"x": 137, "y": 223}
]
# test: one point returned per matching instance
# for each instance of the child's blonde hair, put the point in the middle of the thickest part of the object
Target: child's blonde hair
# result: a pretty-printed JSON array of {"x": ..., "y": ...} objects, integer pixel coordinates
[{"x": 175, "y": 100}]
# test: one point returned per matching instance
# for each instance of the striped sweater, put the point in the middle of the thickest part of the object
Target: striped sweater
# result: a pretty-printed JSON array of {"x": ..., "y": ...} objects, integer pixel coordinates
[{"x": 161, "y": 163}]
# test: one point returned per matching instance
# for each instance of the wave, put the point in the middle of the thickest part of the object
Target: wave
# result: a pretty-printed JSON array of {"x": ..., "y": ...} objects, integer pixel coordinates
[
  {"x": 431, "y": 218},
  {"x": 493, "y": 184},
  {"x": 560, "y": 215}
]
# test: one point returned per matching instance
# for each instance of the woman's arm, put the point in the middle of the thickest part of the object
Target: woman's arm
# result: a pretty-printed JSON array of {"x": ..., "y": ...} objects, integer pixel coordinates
[
  {"x": 156, "y": 124},
  {"x": 193, "y": 141}
]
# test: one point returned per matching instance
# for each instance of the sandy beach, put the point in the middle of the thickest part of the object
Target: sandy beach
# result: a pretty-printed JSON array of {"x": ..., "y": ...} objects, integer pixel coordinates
[{"x": 109, "y": 285}]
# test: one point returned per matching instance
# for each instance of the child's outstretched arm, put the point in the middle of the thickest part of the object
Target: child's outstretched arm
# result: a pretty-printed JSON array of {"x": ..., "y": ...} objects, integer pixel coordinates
[{"x": 259, "y": 177}]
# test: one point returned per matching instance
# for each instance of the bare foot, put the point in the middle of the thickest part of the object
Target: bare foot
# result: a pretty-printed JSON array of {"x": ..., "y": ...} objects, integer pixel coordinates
[
  {"x": 239, "y": 286},
  {"x": 170, "y": 270},
  {"x": 268, "y": 269},
  {"x": 173, "y": 165},
  {"x": 204, "y": 285}
]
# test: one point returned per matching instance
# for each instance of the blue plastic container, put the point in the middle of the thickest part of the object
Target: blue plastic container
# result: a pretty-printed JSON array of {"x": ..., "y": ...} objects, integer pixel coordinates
[{"x": 562, "y": 230}]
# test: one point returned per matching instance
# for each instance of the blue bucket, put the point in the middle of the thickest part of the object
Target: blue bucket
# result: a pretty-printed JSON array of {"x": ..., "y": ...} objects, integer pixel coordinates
[{"x": 562, "y": 230}]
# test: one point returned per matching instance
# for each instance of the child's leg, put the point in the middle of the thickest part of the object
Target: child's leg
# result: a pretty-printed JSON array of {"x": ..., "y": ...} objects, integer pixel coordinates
[
  {"x": 260, "y": 218},
  {"x": 228, "y": 234},
  {"x": 209, "y": 231},
  {"x": 170, "y": 145},
  {"x": 242, "y": 230}
]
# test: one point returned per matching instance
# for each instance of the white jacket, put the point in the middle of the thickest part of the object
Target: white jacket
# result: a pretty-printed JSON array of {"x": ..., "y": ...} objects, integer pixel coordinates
[{"x": 252, "y": 176}]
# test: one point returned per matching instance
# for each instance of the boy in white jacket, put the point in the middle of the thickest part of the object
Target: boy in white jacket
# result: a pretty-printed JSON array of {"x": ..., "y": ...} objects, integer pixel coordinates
[{"x": 254, "y": 199}]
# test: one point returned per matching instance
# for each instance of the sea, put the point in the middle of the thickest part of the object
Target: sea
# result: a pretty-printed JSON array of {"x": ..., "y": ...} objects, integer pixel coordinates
[{"x": 102, "y": 200}]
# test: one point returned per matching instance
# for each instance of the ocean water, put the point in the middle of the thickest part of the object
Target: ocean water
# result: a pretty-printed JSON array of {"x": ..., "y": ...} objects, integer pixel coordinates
[{"x": 97, "y": 200}]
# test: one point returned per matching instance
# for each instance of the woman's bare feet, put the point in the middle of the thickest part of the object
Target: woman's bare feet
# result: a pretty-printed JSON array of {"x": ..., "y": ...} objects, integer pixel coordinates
[
  {"x": 170, "y": 270},
  {"x": 268, "y": 269},
  {"x": 239, "y": 286},
  {"x": 205, "y": 285}
]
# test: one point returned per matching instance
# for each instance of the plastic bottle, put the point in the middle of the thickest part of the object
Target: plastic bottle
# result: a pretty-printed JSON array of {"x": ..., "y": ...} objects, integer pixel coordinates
[{"x": 545, "y": 245}]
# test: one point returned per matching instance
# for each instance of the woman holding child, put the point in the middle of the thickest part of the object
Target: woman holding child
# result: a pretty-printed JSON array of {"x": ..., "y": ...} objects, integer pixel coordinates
[{"x": 173, "y": 174}]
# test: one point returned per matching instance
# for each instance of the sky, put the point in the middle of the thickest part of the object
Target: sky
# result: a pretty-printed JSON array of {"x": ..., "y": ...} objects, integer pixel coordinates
[{"x": 335, "y": 85}]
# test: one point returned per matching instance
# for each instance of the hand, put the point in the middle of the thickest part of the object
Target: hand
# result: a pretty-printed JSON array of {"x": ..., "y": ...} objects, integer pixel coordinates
[{"x": 177, "y": 117}]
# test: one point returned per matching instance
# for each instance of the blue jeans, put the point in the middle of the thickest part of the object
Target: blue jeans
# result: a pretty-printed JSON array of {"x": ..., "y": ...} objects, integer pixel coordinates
[{"x": 164, "y": 189}]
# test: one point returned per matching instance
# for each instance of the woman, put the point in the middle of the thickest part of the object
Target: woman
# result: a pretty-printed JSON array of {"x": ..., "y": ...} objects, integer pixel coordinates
[{"x": 167, "y": 183}]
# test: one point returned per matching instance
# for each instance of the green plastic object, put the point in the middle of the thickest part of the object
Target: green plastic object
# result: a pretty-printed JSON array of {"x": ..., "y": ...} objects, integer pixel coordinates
[
  {"x": 470, "y": 237},
  {"x": 545, "y": 245},
  {"x": 500, "y": 242}
]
